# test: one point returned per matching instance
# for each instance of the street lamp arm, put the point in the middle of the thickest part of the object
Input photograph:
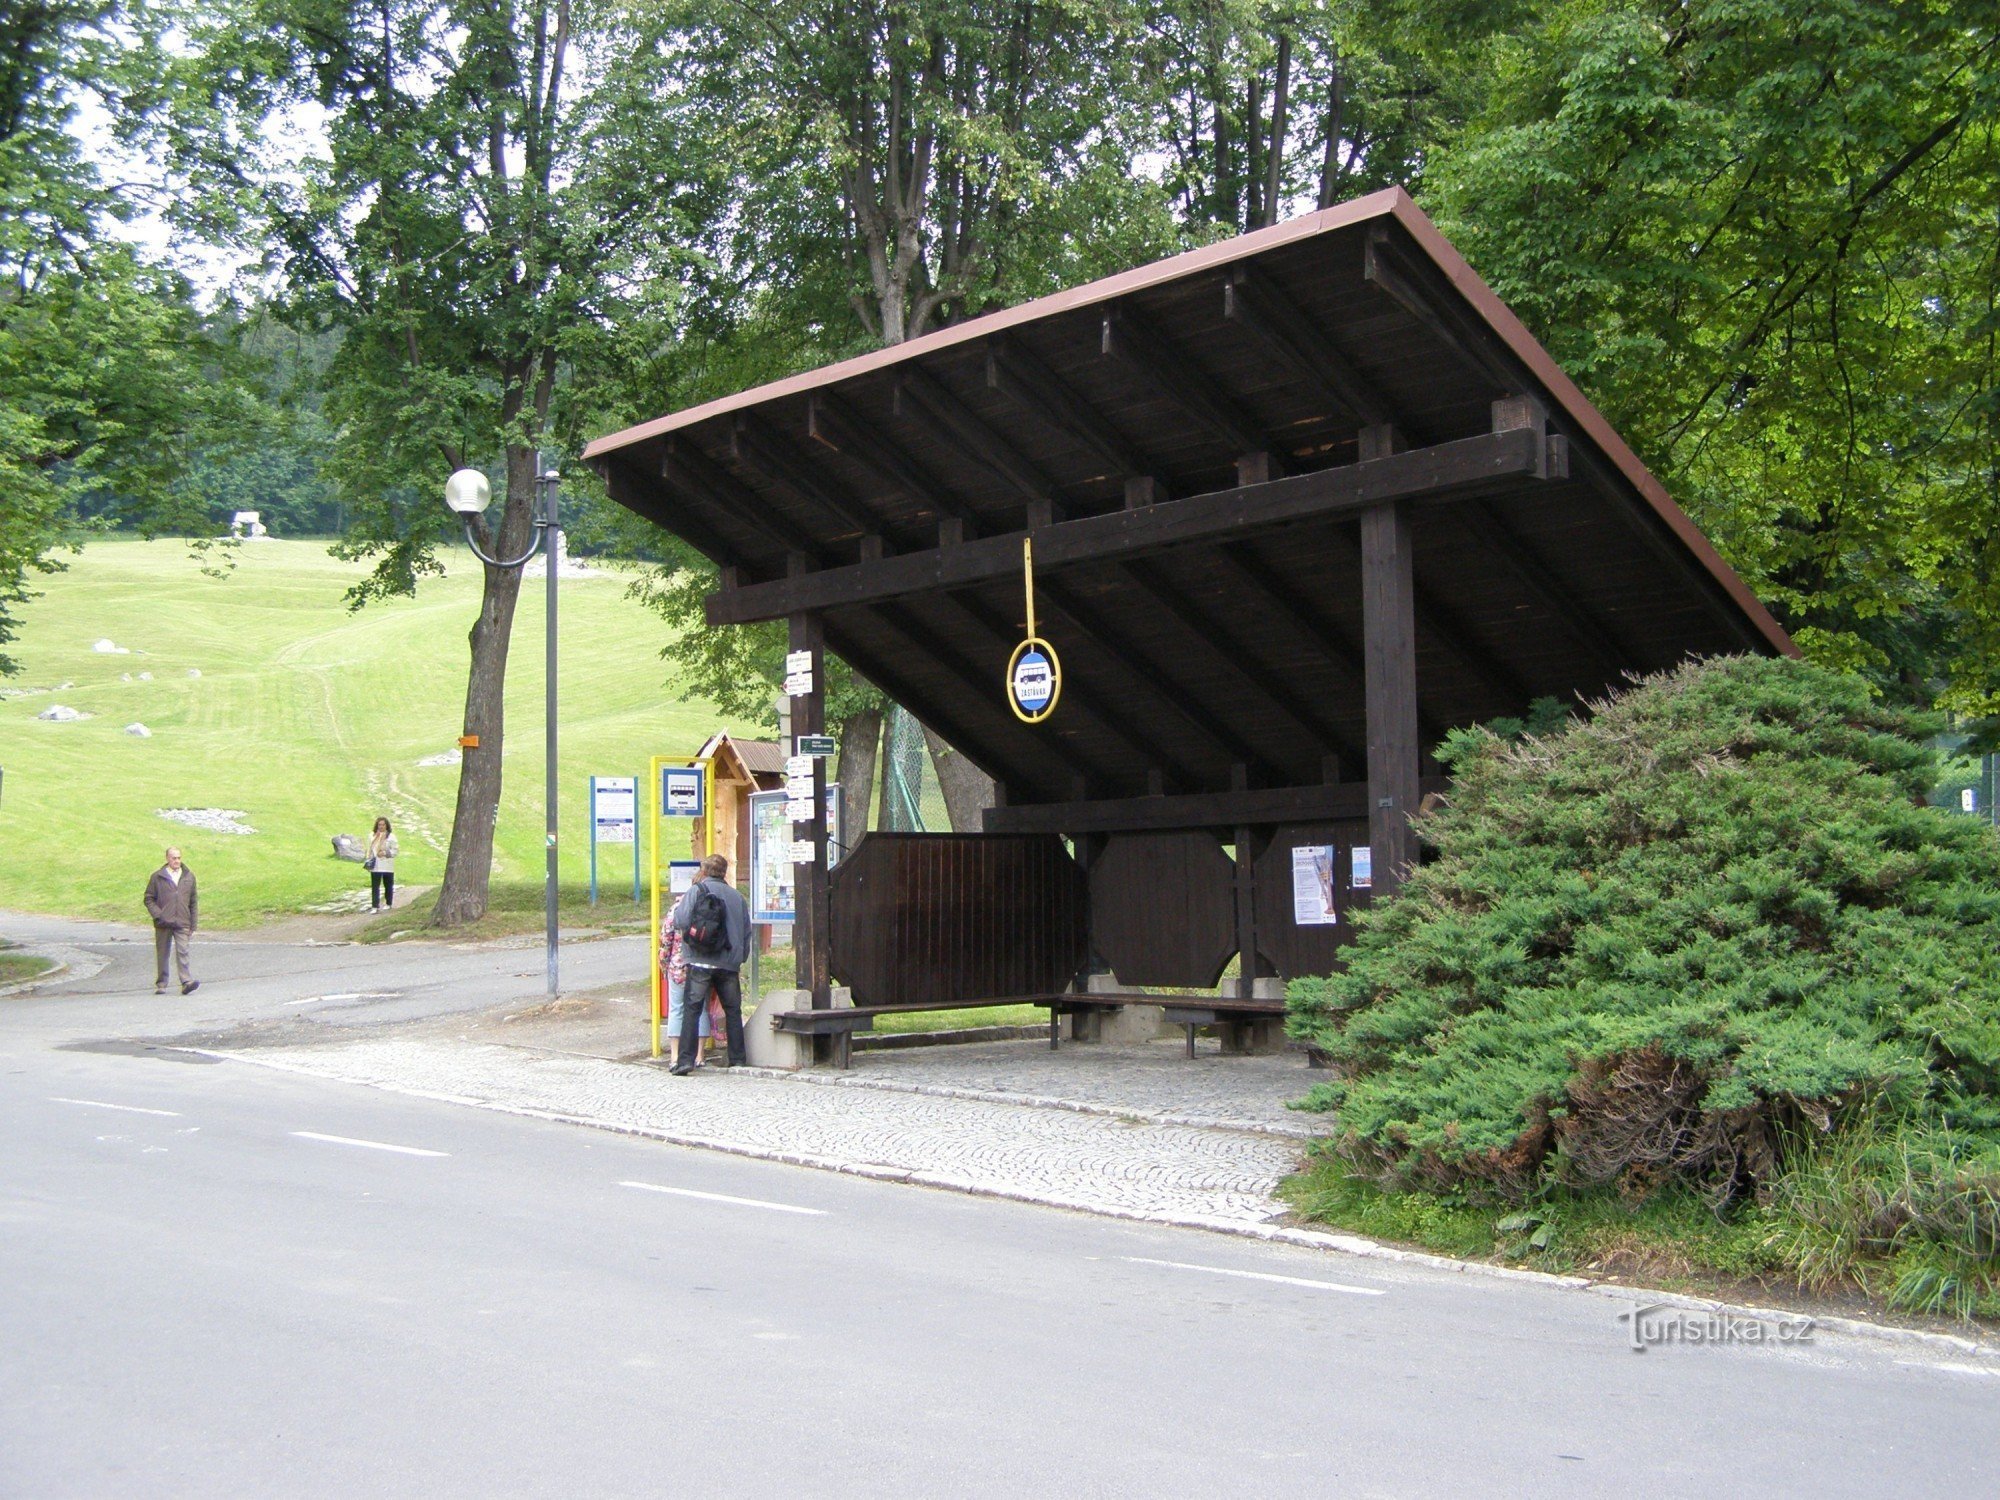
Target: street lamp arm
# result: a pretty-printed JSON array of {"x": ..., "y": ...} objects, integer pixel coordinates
[{"x": 534, "y": 545}]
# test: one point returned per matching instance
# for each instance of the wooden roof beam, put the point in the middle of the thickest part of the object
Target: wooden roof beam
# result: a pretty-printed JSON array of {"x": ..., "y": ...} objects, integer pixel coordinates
[
  {"x": 834, "y": 425},
  {"x": 1314, "y": 724},
  {"x": 1388, "y": 268},
  {"x": 902, "y": 690},
  {"x": 1143, "y": 350},
  {"x": 928, "y": 644},
  {"x": 921, "y": 395},
  {"x": 1157, "y": 684},
  {"x": 1146, "y": 753},
  {"x": 1446, "y": 471},
  {"x": 685, "y": 467},
  {"x": 1281, "y": 328},
  {"x": 622, "y": 485},
  {"x": 1248, "y": 572},
  {"x": 757, "y": 447},
  {"x": 1547, "y": 590},
  {"x": 1261, "y": 807},
  {"x": 1012, "y": 372}
]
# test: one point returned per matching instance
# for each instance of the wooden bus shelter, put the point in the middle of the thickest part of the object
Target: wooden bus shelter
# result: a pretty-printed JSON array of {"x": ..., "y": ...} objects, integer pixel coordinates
[{"x": 1300, "y": 502}]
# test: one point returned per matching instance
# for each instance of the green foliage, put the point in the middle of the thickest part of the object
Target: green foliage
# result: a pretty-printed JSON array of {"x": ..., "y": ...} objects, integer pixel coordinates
[
  {"x": 1760, "y": 235},
  {"x": 1653, "y": 943},
  {"x": 109, "y": 384}
]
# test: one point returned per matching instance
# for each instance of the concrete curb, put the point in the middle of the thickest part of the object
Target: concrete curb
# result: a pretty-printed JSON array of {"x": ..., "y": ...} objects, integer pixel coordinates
[
  {"x": 42, "y": 978},
  {"x": 1280, "y": 1234}
]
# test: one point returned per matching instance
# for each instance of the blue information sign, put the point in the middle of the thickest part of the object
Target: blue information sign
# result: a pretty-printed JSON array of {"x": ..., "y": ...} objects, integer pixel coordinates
[{"x": 681, "y": 792}]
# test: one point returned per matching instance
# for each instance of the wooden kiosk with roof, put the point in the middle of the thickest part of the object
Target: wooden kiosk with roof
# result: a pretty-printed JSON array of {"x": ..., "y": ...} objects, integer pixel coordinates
[{"x": 1300, "y": 502}]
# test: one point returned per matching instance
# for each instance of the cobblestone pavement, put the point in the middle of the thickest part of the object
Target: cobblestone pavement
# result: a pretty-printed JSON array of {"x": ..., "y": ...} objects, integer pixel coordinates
[
  {"x": 1101, "y": 1163},
  {"x": 1157, "y": 1080}
]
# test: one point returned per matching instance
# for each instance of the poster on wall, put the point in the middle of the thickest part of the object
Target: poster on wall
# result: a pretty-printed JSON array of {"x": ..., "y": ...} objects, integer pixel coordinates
[
  {"x": 1312, "y": 886},
  {"x": 771, "y": 888},
  {"x": 1364, "y": 868}
]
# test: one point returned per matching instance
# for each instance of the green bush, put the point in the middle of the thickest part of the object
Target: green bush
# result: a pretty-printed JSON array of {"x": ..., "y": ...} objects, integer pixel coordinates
[{"x": 1685, "y": 945}]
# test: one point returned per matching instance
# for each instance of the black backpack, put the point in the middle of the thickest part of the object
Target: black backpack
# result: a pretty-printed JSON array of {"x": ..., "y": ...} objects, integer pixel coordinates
[{"x": 708, "y": 924}]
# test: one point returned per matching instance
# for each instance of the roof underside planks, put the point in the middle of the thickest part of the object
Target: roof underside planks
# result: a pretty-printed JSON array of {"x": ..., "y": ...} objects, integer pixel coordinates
[{"x": 1217, "y": 641}]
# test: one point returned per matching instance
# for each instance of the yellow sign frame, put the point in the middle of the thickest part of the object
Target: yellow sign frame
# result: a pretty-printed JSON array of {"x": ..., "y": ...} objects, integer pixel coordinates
[
  {"x": 1032, "y": 643},
  {"x": 657, "y": 990}
]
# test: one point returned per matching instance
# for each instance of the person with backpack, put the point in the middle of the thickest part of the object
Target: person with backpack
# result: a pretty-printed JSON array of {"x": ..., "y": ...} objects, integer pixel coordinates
[{"x": 714, "y": 923}]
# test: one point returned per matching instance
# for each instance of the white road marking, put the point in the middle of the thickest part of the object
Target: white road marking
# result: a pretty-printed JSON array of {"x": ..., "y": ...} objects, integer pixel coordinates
[
  {"x": 348, "y": 995},
  {"x": 1989, "y": 1372},
  {"x": 1318, "y": 1286},
  {"x": 130, "y": 1109},
  {"x": 348, "y": 1140},
  {"x": 782, "y": 1208}
]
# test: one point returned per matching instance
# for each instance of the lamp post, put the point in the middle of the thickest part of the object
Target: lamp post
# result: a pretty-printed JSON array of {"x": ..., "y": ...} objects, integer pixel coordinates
[{"x": 468, "y": 494}]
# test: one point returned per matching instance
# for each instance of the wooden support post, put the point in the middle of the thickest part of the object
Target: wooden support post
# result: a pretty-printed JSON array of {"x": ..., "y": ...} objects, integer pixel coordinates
[
  {"x": 1389, "y": 647},
  {"x": 1143, "y": 489},
  {"x": 811, "y": 927},
  {"x": 1256, "y": 468}
]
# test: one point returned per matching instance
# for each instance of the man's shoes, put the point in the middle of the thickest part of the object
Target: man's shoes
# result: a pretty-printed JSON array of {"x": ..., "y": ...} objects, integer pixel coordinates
[
  {"x": 680, "y": 1070},
  {"x": 191, "y": 986},
  {"x": 159, "y": 989}
]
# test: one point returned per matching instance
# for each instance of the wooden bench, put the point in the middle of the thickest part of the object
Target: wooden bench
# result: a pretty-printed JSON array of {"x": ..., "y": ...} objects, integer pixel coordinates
[{"x": 1190, "y": 1011}]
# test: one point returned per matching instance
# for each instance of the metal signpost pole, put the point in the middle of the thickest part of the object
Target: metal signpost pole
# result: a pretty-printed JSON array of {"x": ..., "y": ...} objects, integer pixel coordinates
[{"x": 552, "y": 555}]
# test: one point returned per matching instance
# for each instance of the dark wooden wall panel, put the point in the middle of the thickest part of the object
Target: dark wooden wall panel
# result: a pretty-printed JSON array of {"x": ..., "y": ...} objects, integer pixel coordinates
[
  {"x": 1163, "y": 908},
  {"x": 932, "y": 917},
  {"x": 1297, "y": 950}
]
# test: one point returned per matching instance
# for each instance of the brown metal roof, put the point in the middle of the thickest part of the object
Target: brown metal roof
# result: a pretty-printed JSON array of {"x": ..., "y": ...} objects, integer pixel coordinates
[{"x": 1186, "y": 660}]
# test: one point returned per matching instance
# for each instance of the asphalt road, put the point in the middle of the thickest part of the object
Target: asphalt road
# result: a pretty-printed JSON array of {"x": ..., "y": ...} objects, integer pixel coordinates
[{"x": 216, "y": 1279}]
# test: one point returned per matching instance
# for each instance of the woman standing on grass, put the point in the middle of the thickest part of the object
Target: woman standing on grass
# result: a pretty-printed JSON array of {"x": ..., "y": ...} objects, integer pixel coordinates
[{"x": 381, "y": 866}]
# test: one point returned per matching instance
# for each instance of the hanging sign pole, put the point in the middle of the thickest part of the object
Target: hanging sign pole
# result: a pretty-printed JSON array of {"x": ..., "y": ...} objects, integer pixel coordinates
[{"x": 1034, "y": 674}]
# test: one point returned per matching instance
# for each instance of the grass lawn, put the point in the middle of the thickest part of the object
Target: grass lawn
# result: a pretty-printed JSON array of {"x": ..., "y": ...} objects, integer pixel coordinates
[
  {"x": 307, "y": 719},
  {"x": 17, "y": 967},
  {"x": 513, "y": 908}
]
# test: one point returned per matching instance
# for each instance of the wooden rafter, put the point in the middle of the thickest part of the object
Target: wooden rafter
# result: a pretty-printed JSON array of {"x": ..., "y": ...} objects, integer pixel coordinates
[
  {"x": 830, "y": 423},
  {"x": 970, "y": 613},
  {"x": 756, "y": 446},
  {"x": 1147, "y": 353},
  {"x": 687, "y": 468},
  {"x": 1283, "y": 330},
  {"x": 1012, "y": 372},
  {"x": 1158, "y": 684},
  {"x": 1447, "y": 471},
  {"x": 919, "y": 394}
]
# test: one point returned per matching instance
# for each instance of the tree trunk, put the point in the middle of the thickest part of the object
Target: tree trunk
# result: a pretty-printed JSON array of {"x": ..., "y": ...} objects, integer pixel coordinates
[
  {"x": 468, "y": 864},
  {"x": 858, "y": 739},
  {"x": 968, "y": 791}
]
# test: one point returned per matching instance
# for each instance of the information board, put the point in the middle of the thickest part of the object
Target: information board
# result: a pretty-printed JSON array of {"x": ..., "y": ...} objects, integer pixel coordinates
[{"x": 772, "y": 889}]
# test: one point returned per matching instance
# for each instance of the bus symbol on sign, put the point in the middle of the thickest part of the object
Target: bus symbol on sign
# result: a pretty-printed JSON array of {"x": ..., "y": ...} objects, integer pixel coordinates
[{"x": 1034, "y": 680}]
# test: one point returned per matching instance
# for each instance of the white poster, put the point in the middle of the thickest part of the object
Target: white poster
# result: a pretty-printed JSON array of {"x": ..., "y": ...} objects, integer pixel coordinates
[
  {"x": 681, "y": 876},
  {"x": 1312, "y": 886},
  {"x": 614, "y": 803},
  {"x": 1364, "y": 868}
]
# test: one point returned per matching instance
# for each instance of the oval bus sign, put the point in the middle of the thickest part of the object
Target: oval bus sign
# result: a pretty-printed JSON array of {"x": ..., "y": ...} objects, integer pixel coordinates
[{"x": 1034, "y": 680}]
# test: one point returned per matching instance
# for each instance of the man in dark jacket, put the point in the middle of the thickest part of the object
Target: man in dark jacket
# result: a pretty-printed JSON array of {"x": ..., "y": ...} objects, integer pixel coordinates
[
  {"x": 171, "y": 902},
  {"x": 715, "y": 971}
]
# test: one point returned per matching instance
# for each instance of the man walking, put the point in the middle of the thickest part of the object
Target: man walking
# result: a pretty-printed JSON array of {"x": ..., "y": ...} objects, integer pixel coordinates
[
  {"x": 714, "y": 923},
  {"x": 170, "y": 900}
]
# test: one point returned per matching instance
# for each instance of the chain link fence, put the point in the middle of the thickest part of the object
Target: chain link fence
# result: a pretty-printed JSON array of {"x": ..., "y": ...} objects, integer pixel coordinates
[{"x": 910, "y": 799}]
